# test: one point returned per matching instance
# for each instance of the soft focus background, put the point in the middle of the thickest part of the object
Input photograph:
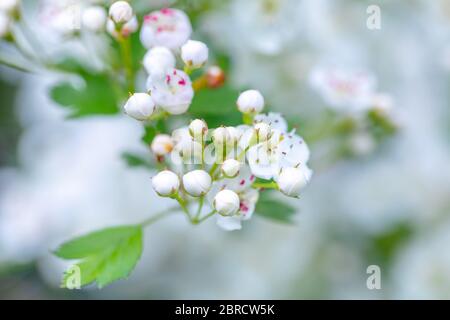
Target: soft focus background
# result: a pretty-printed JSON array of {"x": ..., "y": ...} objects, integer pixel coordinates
[{"x": 59, "y": 178}]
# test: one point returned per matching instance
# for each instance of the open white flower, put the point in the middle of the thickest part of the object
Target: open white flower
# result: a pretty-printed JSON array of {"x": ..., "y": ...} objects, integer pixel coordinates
[
  {"x": 167, "y": 27},
  {"x": 194, "y": 54},
  {"x": 275, "y": 120},
  {"x": 197, "y": 183},
  {"x": 94, "y": 18},
  {"x": 157, "y": 61},
  {"x": 248, "y": 197},
  {"x": 166, "y": 183},
  {"x": 283, "y": 149},
  {"x": 250, "y": 101},
  {"x": 162, "y": 144},
  {"x": 291, "y": 181},
  {"x": 173, "y": 93},
  {"x": 121, "y": 12},
  {"x": 344, "y": 90},
  {"x": 140, "y": 106}
]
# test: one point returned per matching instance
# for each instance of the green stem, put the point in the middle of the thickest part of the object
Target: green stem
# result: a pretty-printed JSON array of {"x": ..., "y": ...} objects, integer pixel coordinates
[
  {"x": 209, "y": 215},
  {"x": 213, "y": 169},
  {"x": 125, "y": 46},
  {"x": 199, "y": 210},
  {"x": 265, "y": 185},
  {"x": 183, "y": 206},
  {"x": 157, "y": 217}
]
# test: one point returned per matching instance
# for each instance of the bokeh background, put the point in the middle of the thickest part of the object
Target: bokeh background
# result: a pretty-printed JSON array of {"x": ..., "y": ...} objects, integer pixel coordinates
[{"x": 390, "y": 208}]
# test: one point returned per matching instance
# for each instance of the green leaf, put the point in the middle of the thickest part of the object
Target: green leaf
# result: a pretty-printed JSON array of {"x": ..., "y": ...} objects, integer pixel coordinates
[
  {"x": 216, "y": 106},
  {"x": 274, "y": 209},
  {"x": 96, "y": 95},
  {"x": 134, "y": 160},
  {"x": 106, "y": 255}
]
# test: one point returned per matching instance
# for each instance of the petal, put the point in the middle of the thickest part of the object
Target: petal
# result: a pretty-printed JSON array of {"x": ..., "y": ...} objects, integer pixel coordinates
[{"x": 229, "y": 223}]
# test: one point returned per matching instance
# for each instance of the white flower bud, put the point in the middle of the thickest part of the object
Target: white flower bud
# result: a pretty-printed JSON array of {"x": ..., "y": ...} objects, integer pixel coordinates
[
  {"x": 158, "y": 60},
  {"x": 9, "y": 5},
  {"x": 125, "y": 30},
  {"x": 166, "y": 183},
  {"x": 194, "y": 53},
  {"x": 226, "y": 203},
  {"x": 162, "y": 144},
  {"x": 263, "y": 131},
  {"x": 121, "y": 12},
  {"x": 94, "y": 18},
  {"x": 197, "y": 183},
  {"x": 198, "y": 129},
  {"x": 292, "y": 181},
  {"x": 140, "y": 106},
  {"x": 220, "y": 135},
  {"x": 233, "y": 134},
  {"x": 250, "y": 101},
  {"x": 230, "y": 168},
  {"x": 5, "y": 24}
]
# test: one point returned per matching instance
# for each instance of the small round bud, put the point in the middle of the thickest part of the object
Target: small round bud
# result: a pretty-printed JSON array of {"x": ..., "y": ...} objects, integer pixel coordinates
[
  {"x": 233, "y": 134},
  {"x": 220, "y": 135},
  {"x": 263, "y": 131},
  {"x": 158, "y": 60},
  {"x": 162, "y": 144},
  {"x": 197, "y": 183},
  {"x": 140, "y": 106},
  {"x": 121, "y": 12},
  {"x": 226, "y": 203},
  {"x": 198, "y": 129},
  {"x": 166, "y": 183},
  {"x": 292, "y": 181},
  {"x": 194, "y": 54},
  {"x": 94, "y": 18},
  {"x": 230, "y": 168},
  {"x": 250, "y": 101},
  {"x": 215, "y": 77}
]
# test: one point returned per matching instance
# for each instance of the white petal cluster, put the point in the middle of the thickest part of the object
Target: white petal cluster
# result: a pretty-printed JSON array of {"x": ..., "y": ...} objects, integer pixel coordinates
[{"x": 265, "y": 150}]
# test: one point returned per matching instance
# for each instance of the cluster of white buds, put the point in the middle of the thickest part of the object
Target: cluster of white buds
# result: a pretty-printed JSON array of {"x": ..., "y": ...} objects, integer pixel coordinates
[
  {"x": 8, "y": 11},
  {"x": 121, "y": 22},
  {"x": 228, "y": 166},
  {"x": 165, "y": 32}
]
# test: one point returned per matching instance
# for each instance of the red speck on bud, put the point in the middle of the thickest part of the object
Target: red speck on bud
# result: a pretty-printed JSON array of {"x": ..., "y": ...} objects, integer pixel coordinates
[
  {"x": 182, "y": 82},
  {"x": 167, "y": 11}
]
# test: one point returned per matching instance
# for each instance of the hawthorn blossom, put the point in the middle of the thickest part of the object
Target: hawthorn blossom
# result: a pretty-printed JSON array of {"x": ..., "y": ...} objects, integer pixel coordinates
[
  {"x": 173, "y": 93},
  {"x": 344, "y": 90},
  {"x": 167, "y": 27}
]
